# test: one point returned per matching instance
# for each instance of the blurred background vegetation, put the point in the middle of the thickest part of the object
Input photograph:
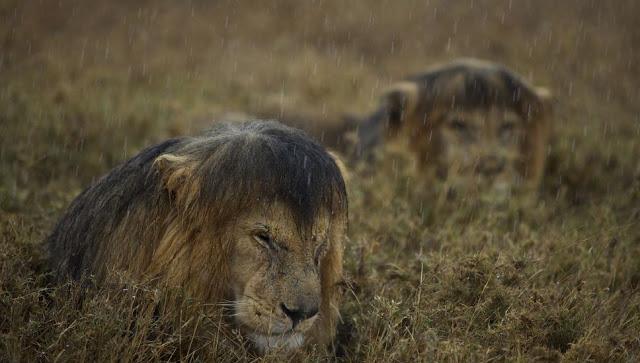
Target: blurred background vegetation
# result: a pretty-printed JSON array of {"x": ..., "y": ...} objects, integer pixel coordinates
[{"x": 86, "y": 84}]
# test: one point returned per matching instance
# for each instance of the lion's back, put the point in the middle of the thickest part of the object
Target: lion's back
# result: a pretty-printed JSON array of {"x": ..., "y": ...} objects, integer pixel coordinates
[{"x": 79, "y": 236}]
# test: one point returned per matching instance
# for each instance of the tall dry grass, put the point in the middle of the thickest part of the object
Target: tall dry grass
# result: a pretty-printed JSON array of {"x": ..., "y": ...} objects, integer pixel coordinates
[{"x": 86, "y": 84}]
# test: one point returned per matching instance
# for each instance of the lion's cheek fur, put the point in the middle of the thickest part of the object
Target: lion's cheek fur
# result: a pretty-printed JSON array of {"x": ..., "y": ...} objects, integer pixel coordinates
[
  {"x": 191, "y": 259},
  {"x": 323, "y": 331},
  {"x": 535, "y": 149}
]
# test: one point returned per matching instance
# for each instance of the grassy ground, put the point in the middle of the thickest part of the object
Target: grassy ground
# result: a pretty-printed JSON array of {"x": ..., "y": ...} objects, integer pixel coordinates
[{"x": 84, "y": 85}]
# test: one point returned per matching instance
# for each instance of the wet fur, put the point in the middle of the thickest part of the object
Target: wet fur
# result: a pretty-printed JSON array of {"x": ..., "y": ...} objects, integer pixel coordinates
[{"x": 163, "y": 214}]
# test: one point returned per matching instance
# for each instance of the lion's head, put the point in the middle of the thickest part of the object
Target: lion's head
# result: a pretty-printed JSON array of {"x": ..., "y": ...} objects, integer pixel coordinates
[
  {"x": 277, "y": 286},
  {"x": 474, "y": 124},
  {"x": 251, "y": 215}
]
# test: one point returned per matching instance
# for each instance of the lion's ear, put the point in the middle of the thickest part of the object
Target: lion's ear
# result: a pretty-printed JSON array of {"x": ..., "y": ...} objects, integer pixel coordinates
[
  {"x": 400, "y": 101},
  {"x": 341, "y": 166},
  {"x": 176, "y": 175}
]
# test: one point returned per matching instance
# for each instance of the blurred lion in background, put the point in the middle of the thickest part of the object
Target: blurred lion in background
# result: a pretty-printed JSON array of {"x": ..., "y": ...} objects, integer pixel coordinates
[
  {"x": 472, "y": 124},
  {"x": 253, "y": 213}
]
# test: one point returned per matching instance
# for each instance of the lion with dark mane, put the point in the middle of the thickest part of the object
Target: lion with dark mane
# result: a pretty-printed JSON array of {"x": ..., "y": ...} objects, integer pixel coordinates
[
  {"x": 474, "y": 124},
  {"x": 254, "y": 213}
]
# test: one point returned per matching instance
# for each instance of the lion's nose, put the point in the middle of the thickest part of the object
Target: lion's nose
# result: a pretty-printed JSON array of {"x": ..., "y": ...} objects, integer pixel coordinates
[
  {"x": 299, "y": 313},
  {"x": 491, "y": 165}
]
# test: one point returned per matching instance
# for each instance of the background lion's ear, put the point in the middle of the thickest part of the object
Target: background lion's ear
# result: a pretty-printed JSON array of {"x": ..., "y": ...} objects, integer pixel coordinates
[
  {"x": 535, "y": 103},
  {"x": 400, "y": 101},
  {"x": 544, "y": 93},
  {"x": 397, "y": 103},
  {"x": 176, "y": 175},
  {"x": 546, "y": 98}
]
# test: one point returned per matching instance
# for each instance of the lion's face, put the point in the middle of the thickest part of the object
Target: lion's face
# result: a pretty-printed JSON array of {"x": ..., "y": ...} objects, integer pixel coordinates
[
  {"x": 480, "y": 149},
  {"x": 277, "y": 290},
  {"x": 474, "y": 124}
]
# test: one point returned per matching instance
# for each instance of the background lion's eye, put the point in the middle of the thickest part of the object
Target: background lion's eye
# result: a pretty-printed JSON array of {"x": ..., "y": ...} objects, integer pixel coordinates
[
  {"x": 506, "y": 129},
  {"x": 507, "y": 126},
  {"x": 458, "y": 125}
]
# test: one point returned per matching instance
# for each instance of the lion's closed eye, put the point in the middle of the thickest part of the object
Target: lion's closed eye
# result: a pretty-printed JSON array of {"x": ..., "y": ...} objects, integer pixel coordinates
[{"x": 264, "y": 239}]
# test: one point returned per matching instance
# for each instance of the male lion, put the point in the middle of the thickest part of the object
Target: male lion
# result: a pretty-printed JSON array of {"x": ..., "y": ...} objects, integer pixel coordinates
[
  {"x": 254, "y": 213},
  {"x": 475, "y": 124}
]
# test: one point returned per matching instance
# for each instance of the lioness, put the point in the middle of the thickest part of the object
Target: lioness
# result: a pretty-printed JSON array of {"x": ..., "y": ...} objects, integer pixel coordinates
[
  {"x": 474, "y": 124},
  {"x": 254, "y": 213}
]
